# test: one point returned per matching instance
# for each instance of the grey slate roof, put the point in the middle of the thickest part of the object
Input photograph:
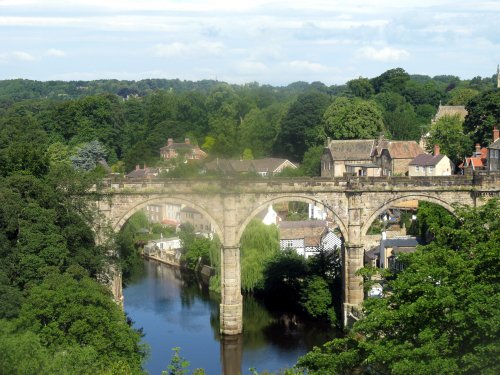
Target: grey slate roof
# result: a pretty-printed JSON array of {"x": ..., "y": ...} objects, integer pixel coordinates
[
  {"x": 427, "y": 160},
  {"x": 495, "y": 145},
  {"x": 351, "y": 149}
]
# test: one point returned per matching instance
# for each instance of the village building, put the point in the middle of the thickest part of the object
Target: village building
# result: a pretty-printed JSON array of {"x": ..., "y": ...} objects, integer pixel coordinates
[
  {"x": 444, "y": 110},
  {"x": 431, "y": 165},
  {"x": 368, "y": 157},
  {"x": 188, "y": 150},
  {"x": 199, "y": 222},
  {"x": 308, "y": 237},
  {"x": 477, "y": 162},
  {"x": 394, "y": 157},
  {"x": 494, "y": 151},
  {"x": 141, "y": 173},
  {"x": 263, "y": 167}
]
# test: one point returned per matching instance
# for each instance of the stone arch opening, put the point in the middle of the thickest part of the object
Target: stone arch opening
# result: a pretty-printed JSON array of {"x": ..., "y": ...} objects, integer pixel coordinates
[
  {"x": 158, "y": 200},
  {"x": 389, "y": 203},
  {"x": 290, "y": 198}
]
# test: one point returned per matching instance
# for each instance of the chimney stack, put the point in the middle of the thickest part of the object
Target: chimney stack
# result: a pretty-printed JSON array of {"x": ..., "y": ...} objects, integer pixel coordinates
[
  {"x": 496, "y": 133},
  {"x": 478, "y": 148},
  {"x": 137, "y": 167},
  {"x": 436, "y": 150},
  {"x": 187, "y": 141},
  {"x": 170, "y": 141}
]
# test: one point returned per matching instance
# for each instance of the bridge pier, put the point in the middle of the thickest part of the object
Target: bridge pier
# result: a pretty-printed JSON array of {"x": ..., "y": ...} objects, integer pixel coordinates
[{"x": 231, "y": 307}]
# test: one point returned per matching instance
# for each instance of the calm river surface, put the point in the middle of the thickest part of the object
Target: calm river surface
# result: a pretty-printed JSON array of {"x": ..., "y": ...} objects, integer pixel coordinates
[{"x": 175, "y": 310}]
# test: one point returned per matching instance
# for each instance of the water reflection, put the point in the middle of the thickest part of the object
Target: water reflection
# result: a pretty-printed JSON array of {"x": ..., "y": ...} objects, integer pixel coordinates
[{"x": 175, "y": 309}]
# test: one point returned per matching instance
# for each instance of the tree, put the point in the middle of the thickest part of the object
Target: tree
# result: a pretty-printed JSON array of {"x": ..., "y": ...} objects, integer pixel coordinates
[
  {"x": 403, "y": 123},
  {"x": 442, "y": 312},
  {"x": 483, "y": 114},
  {"x": 259, "y": 243},
  {"x": 300, "y": 126},
  {"x": 461, "y": 96},
  {"x": 316, "y": 298},
  {"x": 352, "y": 119},
  {"x": 361, "y": 88},
  {"x": 393, "y": 80},
  {"x": 448, "y": 133},
  {"x": 311, "y": 164},
  {"x": 72, "y": 309},
  {"x": 89, "y": 155}
]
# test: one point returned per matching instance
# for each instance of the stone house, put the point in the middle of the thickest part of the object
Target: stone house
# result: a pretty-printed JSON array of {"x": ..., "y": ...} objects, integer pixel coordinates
[
  {"x": 142, "y": 173},
  {"x": 431, "y": 165},
  {"x": 352, "y": 156},
  {"x": 263, "y": 167},
  {"x": 444, "y": 110},
  {"x": 190, "y": 151},
  {"x": 494, "y": 152},
  {"x": 394, "y": 157},
  {"x": 199, "y": 222}
]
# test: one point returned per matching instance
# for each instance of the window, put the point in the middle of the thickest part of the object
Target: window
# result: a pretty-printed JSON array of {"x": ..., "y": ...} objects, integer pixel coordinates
[
  {"x": 417, "y": 168},
  {"x": 430, "y": 169}
]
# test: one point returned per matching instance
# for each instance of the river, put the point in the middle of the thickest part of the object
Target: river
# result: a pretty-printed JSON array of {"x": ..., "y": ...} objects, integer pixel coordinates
[{"x": 175, "y": 310}]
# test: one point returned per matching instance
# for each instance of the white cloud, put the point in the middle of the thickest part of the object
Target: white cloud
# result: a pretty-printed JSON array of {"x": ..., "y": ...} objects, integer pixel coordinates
[
  {"x": 385, "y": 54},
  {"x": 16, "y": 56},
  {"x": 249, "y": 67},
  {"x": 55, "y": 52},
  {"x": 306, "y": 66},
  {"x": 178, "y": 49}
]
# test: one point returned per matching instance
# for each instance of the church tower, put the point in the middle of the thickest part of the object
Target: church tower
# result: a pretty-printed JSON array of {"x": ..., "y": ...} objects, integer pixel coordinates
[{"x": 498, "y": 76}]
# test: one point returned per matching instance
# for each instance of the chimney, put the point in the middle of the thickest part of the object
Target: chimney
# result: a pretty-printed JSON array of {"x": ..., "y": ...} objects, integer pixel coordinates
[
  {"x": 478, "y": 148},
  {"x": 137, "y": 167},
  {"x": 170, "y": 141},
  {"x": 436, "y": 150},
  {"x": 187, "y": 141},
  {"x": 496, "y": 133}
]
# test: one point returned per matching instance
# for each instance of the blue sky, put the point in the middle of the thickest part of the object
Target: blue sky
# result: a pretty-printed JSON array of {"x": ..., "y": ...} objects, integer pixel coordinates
[{"x": 270, "y": 42}]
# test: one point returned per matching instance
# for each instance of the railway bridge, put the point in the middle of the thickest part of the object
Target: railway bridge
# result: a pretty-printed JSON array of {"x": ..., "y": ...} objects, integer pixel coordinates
[{"x": 230, "y": 204}]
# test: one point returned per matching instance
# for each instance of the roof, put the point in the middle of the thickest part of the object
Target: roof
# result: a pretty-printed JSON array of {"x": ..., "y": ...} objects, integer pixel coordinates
[
  {"x": 495, "y": 145},
  {"x": 427, "y": 160},
  {"x": 351, "y": 149},
  {"x": 141, "y": 173},
  {"x": 450, "y": 110},
  {"x": 310, "y": 230},
  {"x": 403, "y": 149}
]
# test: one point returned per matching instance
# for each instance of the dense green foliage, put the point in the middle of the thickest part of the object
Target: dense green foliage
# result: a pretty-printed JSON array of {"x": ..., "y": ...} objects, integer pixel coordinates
[
  {"x": 441, "y": 314},
  {"x": 131, "y": 121}
]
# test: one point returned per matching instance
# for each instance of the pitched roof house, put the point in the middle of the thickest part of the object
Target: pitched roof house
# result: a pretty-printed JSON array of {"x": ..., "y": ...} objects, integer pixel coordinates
[
  {"x": 431, "y": 165},
  {"x": 190, "y": 151},
  {"x": 493, "y": 158},
  {"x": 145, "y": 172},
  {"x": 476, "y": 162},
  {"x": 307, "y": 237},
  {"x": 347, "y": 156},
  {"x": 394, "y": 157},
  {"x": 263, "y": 167}
]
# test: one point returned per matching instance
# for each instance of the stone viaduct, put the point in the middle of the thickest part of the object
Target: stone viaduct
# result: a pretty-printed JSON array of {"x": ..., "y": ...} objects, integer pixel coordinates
[{"x": 354, "y": 203}]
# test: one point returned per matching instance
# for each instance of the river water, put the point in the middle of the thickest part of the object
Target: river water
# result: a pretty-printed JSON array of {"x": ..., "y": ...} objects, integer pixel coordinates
[{"x": 176, "y": 310}]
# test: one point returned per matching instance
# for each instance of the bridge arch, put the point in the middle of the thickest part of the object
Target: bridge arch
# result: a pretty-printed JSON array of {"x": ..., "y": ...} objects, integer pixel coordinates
[
  {"x": 161, "y": 199},
  {"x": 404, "y": 198},
  {"x": 289, "y": 198}
]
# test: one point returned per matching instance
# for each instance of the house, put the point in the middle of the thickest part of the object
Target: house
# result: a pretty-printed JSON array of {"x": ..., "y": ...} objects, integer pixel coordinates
[
  {"x": 494, "y": 151},
  {"x": 477, "y": 162},
  {"x": 271, "y": 217},
  {"x": 352, "y": 156},
  {"x": 384, "y": 255},
  {"x": 307, "y": 237},
  {"x": 394, "y": 157},
  {"x": 196, "y": 219},
  {"x": 142, "y": 173},
  {"x": 188, "y": 150},
  {"x": 431, "y": 165},
  {"x": 263, "y": 167}
]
